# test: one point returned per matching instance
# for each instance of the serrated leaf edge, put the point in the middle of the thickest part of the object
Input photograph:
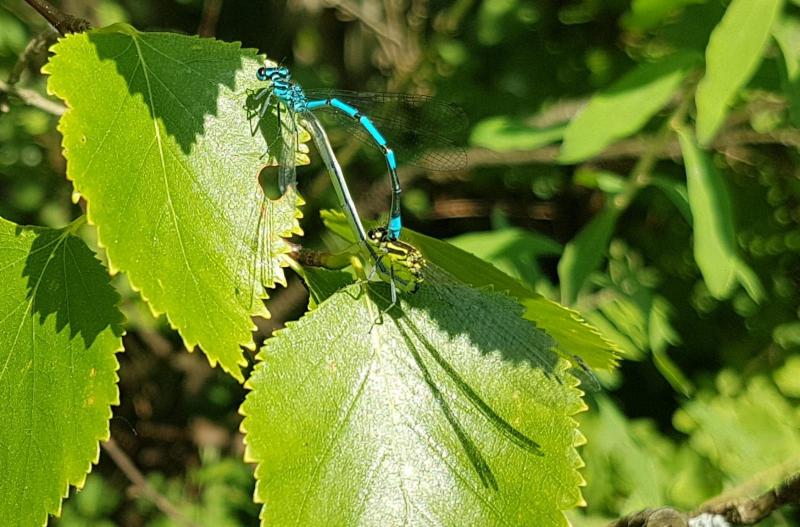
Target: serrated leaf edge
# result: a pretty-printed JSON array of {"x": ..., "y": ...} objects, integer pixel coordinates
[{"x": 190, "y": 346}]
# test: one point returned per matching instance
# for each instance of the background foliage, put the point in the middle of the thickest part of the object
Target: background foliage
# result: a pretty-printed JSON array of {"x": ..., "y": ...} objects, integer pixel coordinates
[{"x": 697, "y": 280}]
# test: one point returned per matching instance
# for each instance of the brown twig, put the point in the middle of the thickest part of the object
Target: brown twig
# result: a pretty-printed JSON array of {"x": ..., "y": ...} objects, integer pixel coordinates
[
  {"x": 141, "y": 485},
  {"x": 36, "y": 46},
  {"x": 734, "y": 512},
  {"x": 210, "y": 17},
  {"x": 32, "y": 98},
  {"x": 663, "y": 517},
  {"x": 63, "y": 22},
  {"x": 752, "y": 511}
]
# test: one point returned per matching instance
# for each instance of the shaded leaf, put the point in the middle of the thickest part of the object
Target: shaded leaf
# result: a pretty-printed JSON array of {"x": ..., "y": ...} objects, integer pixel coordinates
[
  {"x": 714, "y": 236},
  {"x": 787, "y": 335},
  {"x": 624, "y": 107},
  {"x": 733, "y": 54},
  {"x": 453, "y": 412},
  {"x": 584, "y": 253},
  {"x": 168, "y": 165},
  {"x": 677, "y": 194},
  {"x": 573, "y": 335},
  {"x": 630, "y": 465},
  {"x": 661, "y": 336},
  {"x": 59, "y": 332}
]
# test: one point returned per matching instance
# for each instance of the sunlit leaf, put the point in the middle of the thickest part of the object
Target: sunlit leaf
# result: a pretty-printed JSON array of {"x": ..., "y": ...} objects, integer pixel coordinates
[
  {"x": 159, "y": 142},
  {"x": 624, "y": 107},
  {"x": 454, "y": 411},
  {"x": 608, "y": 182},
  {"x": 788, "y": 377},
  {"x": 646, "y": 14},
  {"x": 59, "y": 332},
  {"x": 732, "y": 56},
  {"x": 749, "y": 434},
  {"x": 502, "y": 134}
]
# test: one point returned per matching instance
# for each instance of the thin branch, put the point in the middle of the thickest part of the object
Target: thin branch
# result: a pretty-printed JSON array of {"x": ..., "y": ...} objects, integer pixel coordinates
[
  {"x": 752, "y": 511},
  {"x": 63, "y": 22},
  {"x": 210, "y": 17},
  {"x": 383, "y": 34},
  {"x": 32, "y": 98},
  {"x": 732, "y": 512},
  {"x": 663, "y": 517},
  {"x": 140, "y": 484},
  {"x": 36, "y": 46}
]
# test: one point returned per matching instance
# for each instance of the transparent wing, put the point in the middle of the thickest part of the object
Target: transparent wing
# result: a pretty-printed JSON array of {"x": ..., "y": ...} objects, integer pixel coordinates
[
  {"x": 262, "y": 111},
  {"x": 401, "y": 110},
  {"x": 287, "y": 171},
  {"x": 418, "y": 128}
]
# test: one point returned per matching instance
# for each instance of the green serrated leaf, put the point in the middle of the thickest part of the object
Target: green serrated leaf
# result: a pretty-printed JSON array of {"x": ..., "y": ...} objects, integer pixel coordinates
[
  {"x": 733, "y": 54},
  {"x": 714, "y": 235},
  {"x": 624, "y": 107},
  {"x": 59, "y": 332},
  {"x": 573, "y": 334},
  {"x": 454, "y": 413},
  {"x": 158, "y": 141}
]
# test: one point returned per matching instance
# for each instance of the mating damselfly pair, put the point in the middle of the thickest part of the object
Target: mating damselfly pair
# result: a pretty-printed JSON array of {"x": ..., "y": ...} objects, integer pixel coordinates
[{"x": 417, "y": 126}]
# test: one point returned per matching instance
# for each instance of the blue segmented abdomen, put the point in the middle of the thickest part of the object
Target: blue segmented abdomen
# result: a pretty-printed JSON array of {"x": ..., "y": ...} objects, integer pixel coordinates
[{"x": 394, "y": 227}]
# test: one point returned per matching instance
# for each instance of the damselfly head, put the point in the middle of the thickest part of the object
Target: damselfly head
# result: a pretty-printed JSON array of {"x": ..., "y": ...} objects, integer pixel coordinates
[
  {"x": 377, "y": 235},
  {"x": 273, "y": 73}
]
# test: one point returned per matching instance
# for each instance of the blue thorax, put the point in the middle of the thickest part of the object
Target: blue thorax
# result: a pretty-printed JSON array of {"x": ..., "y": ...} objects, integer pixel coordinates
[{"x": 283, "y": 88}]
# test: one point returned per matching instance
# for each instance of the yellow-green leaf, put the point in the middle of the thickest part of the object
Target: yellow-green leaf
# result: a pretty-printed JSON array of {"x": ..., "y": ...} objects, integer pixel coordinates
[
  {"x": 624, "y": 107},
  {"x": 159, "y": 142},
  {"x": 456, "y": 412},
  {"x": 59, "y": 332},
  {"x": 734, "y": 52}
]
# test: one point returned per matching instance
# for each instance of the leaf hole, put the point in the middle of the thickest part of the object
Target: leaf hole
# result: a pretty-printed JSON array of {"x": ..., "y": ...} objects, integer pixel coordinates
[{"x": 268, "y": 180}]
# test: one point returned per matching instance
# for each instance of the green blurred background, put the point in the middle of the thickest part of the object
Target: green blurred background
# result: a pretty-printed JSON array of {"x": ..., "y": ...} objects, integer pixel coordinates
[{"x": 705, "y": 401}]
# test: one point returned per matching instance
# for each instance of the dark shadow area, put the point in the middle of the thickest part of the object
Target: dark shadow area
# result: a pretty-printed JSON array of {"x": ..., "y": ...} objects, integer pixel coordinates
[
  {"x": 500, "y": 424},
  {"x": 179, "y": 77},
  {"x": 476, "y": 459},
  {"x": 421, "y": 130},
  {"x": 65, "y": 280},
  {"x": 493, "y": 322}
]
